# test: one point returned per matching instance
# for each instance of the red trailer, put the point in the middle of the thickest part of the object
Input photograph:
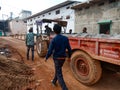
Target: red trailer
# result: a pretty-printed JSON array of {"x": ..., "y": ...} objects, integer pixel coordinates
[{"x": 88, "y": 55}]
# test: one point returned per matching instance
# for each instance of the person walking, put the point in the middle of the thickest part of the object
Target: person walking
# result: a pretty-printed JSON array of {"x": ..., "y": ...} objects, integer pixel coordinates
[
  {"x": 58, "y": 47},
  {"x": 30, "y": 43}
]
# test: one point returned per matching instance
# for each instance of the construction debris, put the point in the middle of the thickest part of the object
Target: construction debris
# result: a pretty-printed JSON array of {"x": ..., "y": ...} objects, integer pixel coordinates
[
  {"x": 14, "y": 75},
  {"x": 10, "y": 52},
  {"x": 87, "y": 35}
]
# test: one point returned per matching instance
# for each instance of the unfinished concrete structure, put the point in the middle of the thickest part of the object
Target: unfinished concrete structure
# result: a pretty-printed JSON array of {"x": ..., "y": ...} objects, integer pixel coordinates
[{"x": 98, "y": 16}]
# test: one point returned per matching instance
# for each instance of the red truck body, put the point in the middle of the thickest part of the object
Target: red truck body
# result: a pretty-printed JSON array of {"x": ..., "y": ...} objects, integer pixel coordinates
[{"x": 107, "y": 50}]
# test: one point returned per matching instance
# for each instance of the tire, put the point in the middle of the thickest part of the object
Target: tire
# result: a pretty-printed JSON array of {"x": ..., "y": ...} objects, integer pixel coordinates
[
  {"x": 41, "y": 46},
  {"x": 85, "y": 69}
]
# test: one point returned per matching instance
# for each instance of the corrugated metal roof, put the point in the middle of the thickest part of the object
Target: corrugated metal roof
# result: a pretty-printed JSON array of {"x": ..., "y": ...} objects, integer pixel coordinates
[{"x": 53, "y": 8}]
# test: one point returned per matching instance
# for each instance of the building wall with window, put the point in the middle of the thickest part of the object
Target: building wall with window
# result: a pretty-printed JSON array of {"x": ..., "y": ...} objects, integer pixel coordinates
[
  {"x": 61, "y": 11},
  {"x": 98, "y": 16}
]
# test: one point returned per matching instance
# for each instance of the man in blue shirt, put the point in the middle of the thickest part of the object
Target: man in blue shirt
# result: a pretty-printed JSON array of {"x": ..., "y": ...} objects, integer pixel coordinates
[
  {"x": 30, "y": 43},
  {"x": 58, "y": 47}
]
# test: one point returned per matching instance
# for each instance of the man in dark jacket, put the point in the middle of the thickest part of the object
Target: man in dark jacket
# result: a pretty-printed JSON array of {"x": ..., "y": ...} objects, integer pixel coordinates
[
  {"x": 30, "y": 43},
  {"x": 58, "y": 47}
]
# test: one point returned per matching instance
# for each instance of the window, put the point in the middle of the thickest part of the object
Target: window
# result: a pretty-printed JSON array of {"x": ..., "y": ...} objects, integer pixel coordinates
[
  {"x": 57, "y": 12},
  {"x": 105, "y": 26},
  {"x": 68, "y": 7}
]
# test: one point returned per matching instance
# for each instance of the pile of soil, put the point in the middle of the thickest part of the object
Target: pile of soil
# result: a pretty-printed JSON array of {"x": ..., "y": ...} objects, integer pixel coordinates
[{"x": 14, "y": 75}]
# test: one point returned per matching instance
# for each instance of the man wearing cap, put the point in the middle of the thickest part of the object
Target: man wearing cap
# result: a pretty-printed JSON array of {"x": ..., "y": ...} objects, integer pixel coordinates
[{"x": 58, "y": 47}]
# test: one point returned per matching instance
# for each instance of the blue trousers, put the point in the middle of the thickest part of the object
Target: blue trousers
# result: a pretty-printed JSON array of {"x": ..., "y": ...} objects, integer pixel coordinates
[
  {"x": 30, "y": 47},
  {"x": 58, "y": 73}
]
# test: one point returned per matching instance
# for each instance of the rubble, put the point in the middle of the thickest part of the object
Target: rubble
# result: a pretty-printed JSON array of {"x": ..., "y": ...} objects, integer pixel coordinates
[
  {"x": 10, "y": 52},
  {"x": 116, "y": 36},
  {"x": 87, "y": 35},
  {"x": 14, "y": 73}
]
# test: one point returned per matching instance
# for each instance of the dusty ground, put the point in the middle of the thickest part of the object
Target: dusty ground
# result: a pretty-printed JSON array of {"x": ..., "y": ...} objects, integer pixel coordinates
[{"x": 44, "y": 72}]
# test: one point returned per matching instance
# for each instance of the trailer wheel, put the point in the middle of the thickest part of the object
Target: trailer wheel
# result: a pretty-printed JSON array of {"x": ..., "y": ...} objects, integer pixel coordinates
[
  {"x": 85, "y": 69},
  {"x": 41, "y": 46}
]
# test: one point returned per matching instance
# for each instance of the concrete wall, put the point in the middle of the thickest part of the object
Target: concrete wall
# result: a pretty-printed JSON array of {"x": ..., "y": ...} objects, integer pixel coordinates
[
  {"x": 91, "y": 16},
  {"x": 17, "y": 27}
]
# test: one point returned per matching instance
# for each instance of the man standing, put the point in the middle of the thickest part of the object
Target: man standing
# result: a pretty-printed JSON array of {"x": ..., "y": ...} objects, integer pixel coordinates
[
  {"x": 58, "y": 47},
  {"x": 48, "y": 30},
  {"x": 70, "y": 31},
  {"x": 30, "y": 43},
  {"x": 84, "y": 30}
]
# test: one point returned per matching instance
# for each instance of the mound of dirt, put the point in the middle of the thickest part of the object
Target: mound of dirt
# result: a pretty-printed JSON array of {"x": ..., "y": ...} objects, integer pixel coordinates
[{"x": 14, "y": 75}]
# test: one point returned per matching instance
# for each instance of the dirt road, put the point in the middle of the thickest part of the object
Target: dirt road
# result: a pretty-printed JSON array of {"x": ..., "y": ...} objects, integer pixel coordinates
[{"x": 44, "y": 72}]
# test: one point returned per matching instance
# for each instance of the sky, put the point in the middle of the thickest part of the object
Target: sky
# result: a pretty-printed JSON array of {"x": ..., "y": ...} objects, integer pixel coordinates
[{"x": 35, "y": 6}]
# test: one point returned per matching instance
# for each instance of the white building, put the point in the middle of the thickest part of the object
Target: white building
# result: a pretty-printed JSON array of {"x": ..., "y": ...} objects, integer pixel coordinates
[
  {"x": 61, "y": 11},
  {"x": 17, "y": 26},
  {"x": 24, "y": 14}
]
